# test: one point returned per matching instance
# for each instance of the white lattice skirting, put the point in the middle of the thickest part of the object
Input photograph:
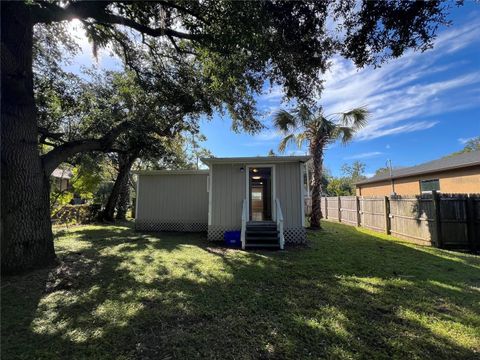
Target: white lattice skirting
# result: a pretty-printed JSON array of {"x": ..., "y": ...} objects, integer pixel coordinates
[
  {"x": 215, "y": 232},
  {"x": 158, "y": 225},
  {"x": 297, "y": 235}
]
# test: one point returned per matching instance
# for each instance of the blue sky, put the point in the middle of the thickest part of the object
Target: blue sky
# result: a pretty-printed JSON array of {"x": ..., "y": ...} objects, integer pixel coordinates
[{"x": 423, "y": 105}]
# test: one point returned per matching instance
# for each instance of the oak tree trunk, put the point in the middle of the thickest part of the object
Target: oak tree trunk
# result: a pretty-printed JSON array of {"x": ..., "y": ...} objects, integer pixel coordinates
[
  {"x": 125, "y": 163},
  {"x": 26, "y": 235},
  {"x": 316, "y": 150},
  {"x": 123, "y": 200}
]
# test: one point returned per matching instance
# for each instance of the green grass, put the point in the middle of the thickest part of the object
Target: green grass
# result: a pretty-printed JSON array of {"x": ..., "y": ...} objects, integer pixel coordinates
[{"x": 351, "y": 294}]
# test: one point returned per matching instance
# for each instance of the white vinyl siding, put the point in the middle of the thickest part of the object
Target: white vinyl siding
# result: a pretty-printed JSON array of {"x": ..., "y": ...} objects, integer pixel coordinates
[
  {"x": 229, "y": 189},
  {"x": 181, "y": 198},
  {"x": 228, "y": 192},
  {"x": 289, "y": 192}
]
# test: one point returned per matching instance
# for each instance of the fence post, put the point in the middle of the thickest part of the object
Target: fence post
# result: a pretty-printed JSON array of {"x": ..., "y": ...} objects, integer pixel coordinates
[
  {"x": 386, "y": 209},
  {"x": 471, "y": 216},
  {"x": 438, "y": 218},
  {"x": 326, "y": 207},
  {"x": 357, "y": 207},
  {"x": 339, "y": 206}
]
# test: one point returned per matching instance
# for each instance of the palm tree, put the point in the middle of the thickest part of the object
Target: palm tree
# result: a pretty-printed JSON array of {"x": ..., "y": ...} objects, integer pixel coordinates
[{"x": 318, "y": 130}]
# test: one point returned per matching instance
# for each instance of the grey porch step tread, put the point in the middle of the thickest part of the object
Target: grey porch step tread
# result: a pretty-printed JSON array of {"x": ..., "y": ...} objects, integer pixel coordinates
[
  {"x": 262, "y": 238},
  {"x": 261, "y": 223},
  {"x": 254, "y": 228},
  {"x": 262, "y": 232},
  {"x": 262, "y": 245}
]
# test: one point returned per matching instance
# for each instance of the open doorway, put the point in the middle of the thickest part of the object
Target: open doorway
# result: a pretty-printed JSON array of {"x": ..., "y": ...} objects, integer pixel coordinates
[{"x": 260, "y": 193}]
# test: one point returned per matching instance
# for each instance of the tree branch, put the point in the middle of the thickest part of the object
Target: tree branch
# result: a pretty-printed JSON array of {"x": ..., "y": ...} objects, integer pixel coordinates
[
  {"x": 46, "y": 13},
  {"x": 47, "y": 134},
  {"x": 61, "y": 153}
]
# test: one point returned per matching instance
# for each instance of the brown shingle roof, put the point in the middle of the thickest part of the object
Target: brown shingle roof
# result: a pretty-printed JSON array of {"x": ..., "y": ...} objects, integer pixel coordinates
[{"x": 446, "y": 163}]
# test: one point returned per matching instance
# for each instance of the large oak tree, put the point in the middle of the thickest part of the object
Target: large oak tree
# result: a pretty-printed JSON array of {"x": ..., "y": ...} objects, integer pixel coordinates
[{"x": 237, "y": 46}]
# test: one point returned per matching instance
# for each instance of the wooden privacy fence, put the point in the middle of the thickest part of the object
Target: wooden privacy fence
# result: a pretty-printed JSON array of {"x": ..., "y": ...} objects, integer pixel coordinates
[{"x": 446, "y": 220}]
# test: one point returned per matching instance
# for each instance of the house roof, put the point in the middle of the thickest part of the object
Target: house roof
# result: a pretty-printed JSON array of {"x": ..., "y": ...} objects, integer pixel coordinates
[
  {"x": 62, "y": 173},
  {"x": 255, "y": 159},
  {"x": 171, "y": 172},
  {"x": 447, "y": 163}
]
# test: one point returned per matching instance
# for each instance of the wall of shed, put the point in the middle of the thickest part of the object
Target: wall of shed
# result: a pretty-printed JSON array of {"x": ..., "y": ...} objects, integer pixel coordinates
[
  {"x": 460, "y": 181},
  {"x": 173, "y": 202},
  {"x": 229, "y": 191},
  {"x": 289, "y": 192}
]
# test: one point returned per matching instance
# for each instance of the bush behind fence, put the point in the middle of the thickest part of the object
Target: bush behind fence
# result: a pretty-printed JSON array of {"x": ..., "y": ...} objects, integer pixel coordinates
[{"x": 442, "y": 220}]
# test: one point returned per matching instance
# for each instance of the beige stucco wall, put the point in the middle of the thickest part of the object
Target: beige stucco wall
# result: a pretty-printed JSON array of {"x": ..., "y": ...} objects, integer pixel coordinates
[
  {"x": 173, "y": 198},
  {"x": 464, "y": 181},
  {"x": 229, "y": 190}
]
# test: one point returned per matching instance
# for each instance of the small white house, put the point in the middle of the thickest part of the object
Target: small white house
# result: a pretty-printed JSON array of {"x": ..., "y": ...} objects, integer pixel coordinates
[{"x": 262, "y": 197}]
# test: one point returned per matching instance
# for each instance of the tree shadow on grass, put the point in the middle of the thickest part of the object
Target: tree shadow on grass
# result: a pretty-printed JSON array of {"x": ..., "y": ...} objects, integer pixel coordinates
[{"x": 350, "y": 295}]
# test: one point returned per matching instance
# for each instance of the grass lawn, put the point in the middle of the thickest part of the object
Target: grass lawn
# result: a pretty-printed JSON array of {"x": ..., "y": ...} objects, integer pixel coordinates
[{"x": 351, "y": 294}]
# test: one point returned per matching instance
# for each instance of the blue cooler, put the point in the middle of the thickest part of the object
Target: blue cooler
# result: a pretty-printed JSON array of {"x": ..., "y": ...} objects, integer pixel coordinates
[{"x": 232, "y": 238}]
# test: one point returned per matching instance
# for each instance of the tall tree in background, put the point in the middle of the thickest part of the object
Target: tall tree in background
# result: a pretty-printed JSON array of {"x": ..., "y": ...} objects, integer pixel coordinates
[
  {"x": 470, "y": 145},
  {"x": 234, "y": 47},
  {"x": 345, "y": 185},
  {"x": 318, "y": 130}
]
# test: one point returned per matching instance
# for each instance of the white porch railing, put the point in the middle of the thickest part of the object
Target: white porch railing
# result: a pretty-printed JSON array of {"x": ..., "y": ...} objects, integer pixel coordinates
[
  {"x": 280, "y": 223},
  {"x": 244, "y": 222}
]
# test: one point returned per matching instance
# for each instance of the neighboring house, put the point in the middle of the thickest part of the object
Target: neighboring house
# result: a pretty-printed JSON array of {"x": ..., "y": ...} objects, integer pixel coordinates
[
  {"x": 453, "y": 174},
  {"x": 60, "y": 179},
  {"x": 261, "y": 197}
]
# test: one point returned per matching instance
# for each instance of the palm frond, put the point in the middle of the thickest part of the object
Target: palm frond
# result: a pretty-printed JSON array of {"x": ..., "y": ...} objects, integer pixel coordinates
[
  {"x": 284, "y": 121},
  {"x": 301, "y": 138},
  {"x": 303, "y": 114},
  {"x": 285, "y": 141},
  {"x": 355, "y": 118},
  {"x": 345, "y": 134}
]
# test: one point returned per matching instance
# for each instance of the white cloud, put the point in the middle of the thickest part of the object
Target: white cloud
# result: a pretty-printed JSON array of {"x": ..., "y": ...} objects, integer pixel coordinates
[
  {"x": 463, "y": 141},
  {"x": 298, "y": 152},
  {"x": 407, "y": 128},
  {"x": 365, "y": 155},
  {"x": 268, "y": 135},
  {"x": 405, "y": 92},
  {"x": 400, "y": 95}
]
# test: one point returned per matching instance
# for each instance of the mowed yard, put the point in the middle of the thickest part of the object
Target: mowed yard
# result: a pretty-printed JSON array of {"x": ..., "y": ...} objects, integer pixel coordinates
[{"x": 350, "y": 294}]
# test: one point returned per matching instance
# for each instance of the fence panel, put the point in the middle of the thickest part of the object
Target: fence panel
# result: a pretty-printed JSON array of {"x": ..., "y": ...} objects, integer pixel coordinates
[
  {"x": 323, "y": 207},
  {"x": 308, "y": 207},
  {"x": 332, "y": 208},
  {"x": 453, "y": 214},
  {"x": 452, "y": 220},
  {"x": 348, "y": 209},
  {"x": 475, "y": 222},
  {"x": 413, "y": 219},
  {"x": 372, "y": 211}
]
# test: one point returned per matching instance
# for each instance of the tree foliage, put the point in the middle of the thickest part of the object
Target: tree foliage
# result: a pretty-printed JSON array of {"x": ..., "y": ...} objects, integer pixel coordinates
[
  {"x": 199, "y": 55},
  {"x": 472, "y": 144},
  {"x": 318, "y": 130}
]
